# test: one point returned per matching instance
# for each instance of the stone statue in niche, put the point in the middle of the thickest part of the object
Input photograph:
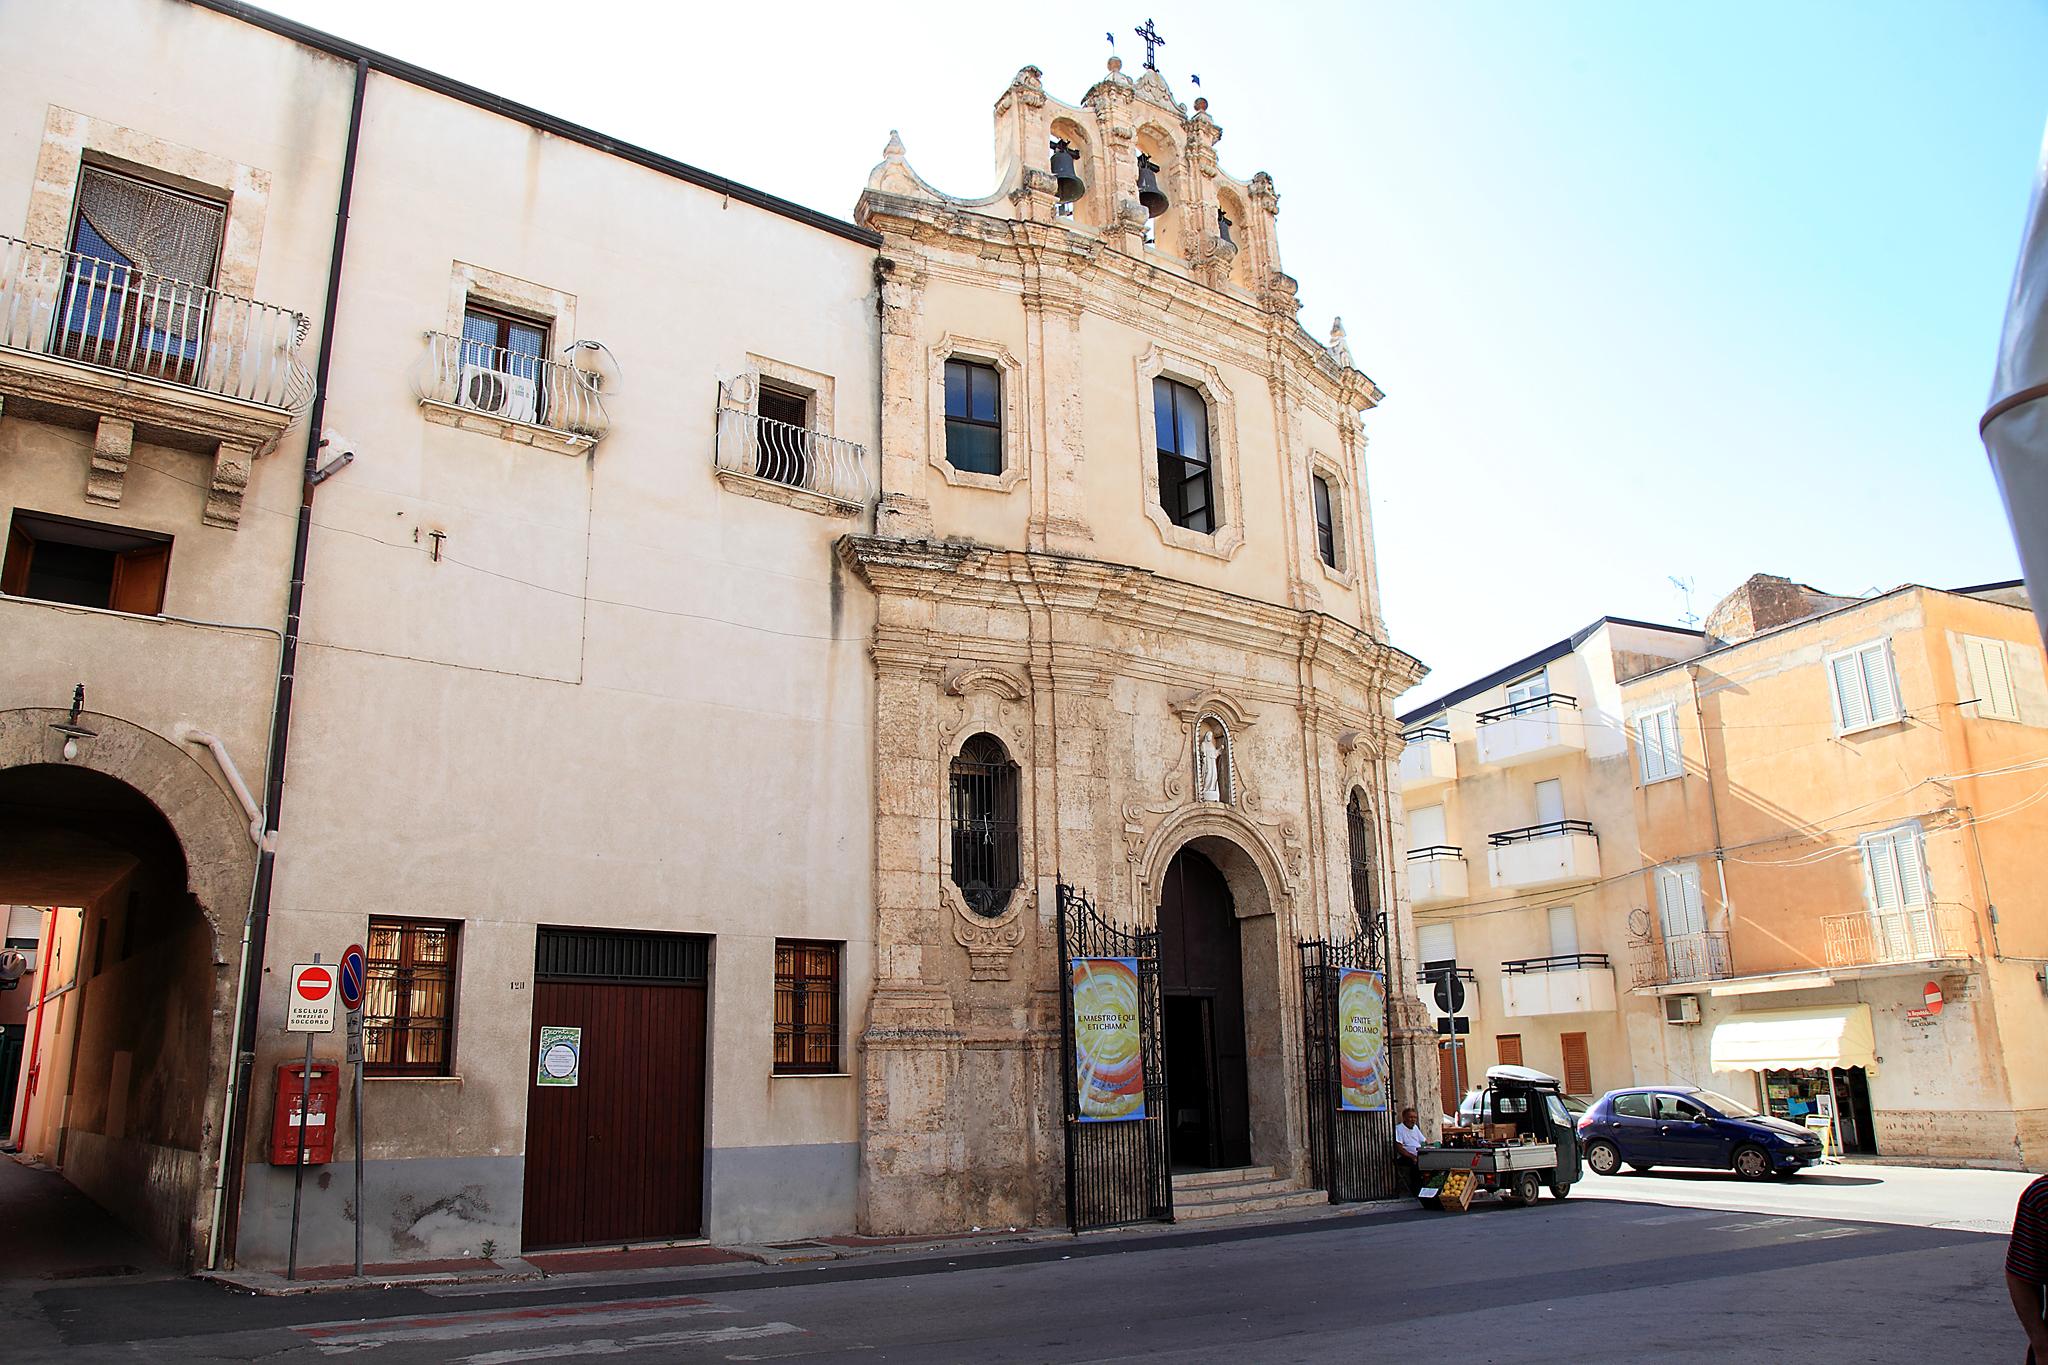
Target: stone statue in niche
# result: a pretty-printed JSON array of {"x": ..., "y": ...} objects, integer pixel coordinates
[{"x": 1212, "y": 761}]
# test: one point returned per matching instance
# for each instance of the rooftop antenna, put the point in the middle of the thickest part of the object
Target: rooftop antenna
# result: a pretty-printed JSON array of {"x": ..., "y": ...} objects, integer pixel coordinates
[{"x": 1684, "y": 586}]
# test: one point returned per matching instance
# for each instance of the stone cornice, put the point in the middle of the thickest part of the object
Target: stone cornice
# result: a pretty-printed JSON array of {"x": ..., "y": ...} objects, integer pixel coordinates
[{"x": 1134, "y": 598}]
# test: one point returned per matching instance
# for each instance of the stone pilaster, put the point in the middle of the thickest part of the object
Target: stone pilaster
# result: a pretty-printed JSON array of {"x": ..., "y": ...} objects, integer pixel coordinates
[{"x": 904, "y": 510}]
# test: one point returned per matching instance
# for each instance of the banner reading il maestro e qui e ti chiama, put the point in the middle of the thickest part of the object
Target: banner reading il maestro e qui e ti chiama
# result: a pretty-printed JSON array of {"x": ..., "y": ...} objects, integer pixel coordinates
[
  {"x": 1361, "y": 1041},
  {"x": 1109, "y": 1057}
]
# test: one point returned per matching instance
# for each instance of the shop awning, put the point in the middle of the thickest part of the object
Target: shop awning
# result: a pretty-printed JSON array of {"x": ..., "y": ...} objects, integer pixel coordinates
[{"x": 1794, "y": 1040}]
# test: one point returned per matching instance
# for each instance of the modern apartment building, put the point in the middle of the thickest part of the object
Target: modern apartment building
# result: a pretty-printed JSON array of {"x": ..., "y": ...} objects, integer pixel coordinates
[
  {"x": 1519, "y": 794},
  {"x": 1842, "y": 809}
]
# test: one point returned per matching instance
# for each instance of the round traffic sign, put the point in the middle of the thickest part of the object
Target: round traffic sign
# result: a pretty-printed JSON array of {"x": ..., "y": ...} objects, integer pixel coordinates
[
  {"x": 1933, "y": 996},
  {"x": 1450, "y": 993},
  {"x": 352, "y": 977},
  {"x": 314, "y": 983}
]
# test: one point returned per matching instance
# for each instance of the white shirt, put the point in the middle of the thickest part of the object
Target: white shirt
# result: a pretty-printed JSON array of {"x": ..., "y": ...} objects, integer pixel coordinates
[{"x": 1409, "y": 1138}]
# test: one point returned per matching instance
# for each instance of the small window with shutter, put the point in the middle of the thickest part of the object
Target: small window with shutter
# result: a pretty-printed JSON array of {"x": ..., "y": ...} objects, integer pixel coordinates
[
  {"x": 1657, "y": 749},
  {"x": 1578, "y": 1064},
  {"x": 1990, "y": 679},
  {"x": 85, "y": 564},
  {"x": 1864, "y": 686},
  {"x": 1894, "y": 870}
]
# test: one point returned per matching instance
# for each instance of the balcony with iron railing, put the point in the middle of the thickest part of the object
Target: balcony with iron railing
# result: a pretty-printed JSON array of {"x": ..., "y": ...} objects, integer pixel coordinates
[
  {"x": 550, "y": 403},
  {"x": 1565, "y": 983},
  {"x": 125, "y": 324},
  {"x": 1429, "y": 759},
  {"x": 1437, "y": 875},
  {"x": 791, "y": 464},
  {"x": 1914, "y": 937},
  {"x": 1533, "y": 728},
  {"x": 1683, "y": 958},
  {"x": 1549, "y": 854}
]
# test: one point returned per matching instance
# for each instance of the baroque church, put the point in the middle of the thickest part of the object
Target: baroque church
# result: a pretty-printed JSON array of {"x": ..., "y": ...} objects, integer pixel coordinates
[{"x": 1128, "y": 649}]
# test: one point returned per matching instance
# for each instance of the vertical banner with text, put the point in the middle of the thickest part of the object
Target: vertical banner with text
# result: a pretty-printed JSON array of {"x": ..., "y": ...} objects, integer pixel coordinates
[
  {"x": 1361, "y": 1041},
  {"x": 1109, "y": 1065}
]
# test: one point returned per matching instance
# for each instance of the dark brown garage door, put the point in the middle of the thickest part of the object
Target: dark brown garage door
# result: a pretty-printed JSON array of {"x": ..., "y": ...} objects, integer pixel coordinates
[{"x": 619, "y": 1155}]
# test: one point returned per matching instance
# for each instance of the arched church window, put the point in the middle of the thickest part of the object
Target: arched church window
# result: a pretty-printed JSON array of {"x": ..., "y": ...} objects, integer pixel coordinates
[
  {"x": 1212, "y": 760},
  {"x": 984, "y": 819},
  {"x": 1364, "y": 886},
  {"x": 1182, "y": 422}
]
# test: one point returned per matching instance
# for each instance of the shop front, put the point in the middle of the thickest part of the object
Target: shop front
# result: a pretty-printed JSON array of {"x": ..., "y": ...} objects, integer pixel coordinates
[{"x": 1812, "y": 1067}]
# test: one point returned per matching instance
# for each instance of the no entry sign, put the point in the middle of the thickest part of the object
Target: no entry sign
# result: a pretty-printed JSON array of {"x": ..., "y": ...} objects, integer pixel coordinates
[{"x": 309, "y": 1004}]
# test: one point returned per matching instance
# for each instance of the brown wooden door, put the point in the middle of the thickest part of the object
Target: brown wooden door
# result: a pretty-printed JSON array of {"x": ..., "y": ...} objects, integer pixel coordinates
[
  {"x": 1509, "y": 1048},
  {"x": 1578, "y": 1068},
  {"x": 1454, "y": 1074},
  {"x": 618, "y": 1157}
]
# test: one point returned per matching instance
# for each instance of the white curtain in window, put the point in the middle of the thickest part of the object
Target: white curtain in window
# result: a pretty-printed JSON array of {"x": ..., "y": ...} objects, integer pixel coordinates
[{"x": 159, "y": 231}]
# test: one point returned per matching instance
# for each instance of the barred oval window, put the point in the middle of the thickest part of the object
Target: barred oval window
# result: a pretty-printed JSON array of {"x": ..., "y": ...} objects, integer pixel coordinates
[{"x": 983, "y": 790}]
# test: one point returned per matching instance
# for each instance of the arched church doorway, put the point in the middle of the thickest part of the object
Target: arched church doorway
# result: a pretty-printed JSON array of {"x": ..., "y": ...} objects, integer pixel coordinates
[
  {"x": 118, "y": 1060},
  {"x": 1201, "y": 982}
]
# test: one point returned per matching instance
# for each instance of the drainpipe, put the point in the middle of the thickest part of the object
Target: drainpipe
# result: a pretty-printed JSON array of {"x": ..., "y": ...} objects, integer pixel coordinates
[
  {"x": 1692, "y": 671},
  {"x": 257, "y": 834},
  {"x": 256, "y": 933}
]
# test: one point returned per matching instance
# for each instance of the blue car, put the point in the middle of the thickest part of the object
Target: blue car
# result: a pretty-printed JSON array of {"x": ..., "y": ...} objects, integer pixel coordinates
[{"x": 1681, "y": 1125}]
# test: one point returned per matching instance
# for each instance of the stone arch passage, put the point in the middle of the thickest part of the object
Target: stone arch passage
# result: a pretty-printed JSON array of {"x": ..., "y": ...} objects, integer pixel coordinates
[{"x": 137, "y": 857}]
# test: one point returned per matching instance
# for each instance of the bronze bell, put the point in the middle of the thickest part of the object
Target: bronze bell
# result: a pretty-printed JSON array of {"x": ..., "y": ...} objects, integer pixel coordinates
[
  {"x": 1223, "y": 228},
  {"x": 1149, "y": 193},
  {"x": 1071, "y": 186}
]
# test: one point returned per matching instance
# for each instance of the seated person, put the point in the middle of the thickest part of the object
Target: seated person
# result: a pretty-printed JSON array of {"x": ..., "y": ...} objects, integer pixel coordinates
[{"x": 1408, "y": 1142}]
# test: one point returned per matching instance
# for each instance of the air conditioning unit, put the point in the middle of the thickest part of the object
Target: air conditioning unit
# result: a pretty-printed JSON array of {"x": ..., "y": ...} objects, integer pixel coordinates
[
  {"x": 511, "y": 396},
  {"x": 1681, "y": 1009}
]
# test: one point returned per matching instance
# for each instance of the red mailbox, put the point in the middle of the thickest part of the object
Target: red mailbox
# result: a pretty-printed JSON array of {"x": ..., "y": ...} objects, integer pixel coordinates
[{"x": 322, "y": 1102}]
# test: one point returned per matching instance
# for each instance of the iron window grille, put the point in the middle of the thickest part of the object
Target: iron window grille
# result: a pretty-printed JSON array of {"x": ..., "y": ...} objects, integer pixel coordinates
[
  {"x": 974, "y": 422},
  {"x": 1326, "y": 520},
  {"x": 409, "y": 998},
  {"x": 806, "y": 1007},
  {"x": 1181, "y": 423},
  {"x": 984, "y": 818},
  {"x": 1364, "y": 887}
]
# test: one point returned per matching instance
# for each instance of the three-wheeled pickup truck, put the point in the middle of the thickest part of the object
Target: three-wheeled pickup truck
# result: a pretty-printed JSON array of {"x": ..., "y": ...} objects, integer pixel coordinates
[{"x": 1529, "y": 1145}]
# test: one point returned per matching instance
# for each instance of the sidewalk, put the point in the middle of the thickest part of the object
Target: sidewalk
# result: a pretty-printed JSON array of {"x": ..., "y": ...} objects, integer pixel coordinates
[
  {"x": 50, "y": 1232},
  {"x": 625, "y": 1265}
]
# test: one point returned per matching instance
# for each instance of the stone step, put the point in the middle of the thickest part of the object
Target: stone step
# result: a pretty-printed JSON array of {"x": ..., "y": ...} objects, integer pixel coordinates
[
  {"x": 1234, "y": 1175},
  {"x": 1272, "y": 1202}
]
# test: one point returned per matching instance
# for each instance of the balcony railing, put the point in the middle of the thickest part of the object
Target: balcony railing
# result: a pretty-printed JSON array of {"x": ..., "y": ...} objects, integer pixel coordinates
[
  {"x": 1546, "y": 702},
  {"x": 1439, "y": 733},
  {"x": 1429, "y": 976},
  {"x": 1429, "y": 758},
  {"x": 1695, "y": 957},
  {"x": 1437, "y": 873},
  {"x": 1927, "y": 934},
  {"x": 116, "y": 317},
  {"x": 797, "y": 457},
  {"x": 1530, "y": 833},
  {"x": 512, "y": 386},
  {"x": 1558, "y": 962}
]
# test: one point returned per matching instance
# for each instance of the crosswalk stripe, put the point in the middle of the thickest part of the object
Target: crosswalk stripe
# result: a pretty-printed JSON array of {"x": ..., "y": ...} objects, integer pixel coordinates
[{"x": 608, "y": 1346}]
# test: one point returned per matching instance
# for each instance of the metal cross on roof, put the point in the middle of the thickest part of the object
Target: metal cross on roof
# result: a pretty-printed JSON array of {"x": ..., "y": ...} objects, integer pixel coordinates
[{"x": 1150, "y": 37}]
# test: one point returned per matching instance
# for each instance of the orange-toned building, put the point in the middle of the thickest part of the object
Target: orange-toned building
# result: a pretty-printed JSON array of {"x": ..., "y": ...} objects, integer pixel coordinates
[{"x": 1842, "y": 810}]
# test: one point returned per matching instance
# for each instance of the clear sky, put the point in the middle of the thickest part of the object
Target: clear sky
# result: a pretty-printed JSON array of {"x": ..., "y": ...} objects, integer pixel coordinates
[{"x": 1652, "y": 289}]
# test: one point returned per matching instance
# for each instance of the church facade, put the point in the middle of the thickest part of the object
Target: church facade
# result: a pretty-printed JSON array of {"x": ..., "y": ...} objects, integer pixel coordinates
[{"x": 1128, "y": 643}]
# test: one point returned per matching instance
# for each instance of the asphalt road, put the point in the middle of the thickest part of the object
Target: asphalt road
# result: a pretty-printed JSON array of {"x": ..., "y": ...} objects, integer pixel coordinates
[{"x": 1586, "y": 1279}]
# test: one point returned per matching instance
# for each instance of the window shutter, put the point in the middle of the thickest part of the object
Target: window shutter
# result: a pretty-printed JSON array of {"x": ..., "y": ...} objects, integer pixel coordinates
[
  {"x": 1648, "y": 742},
  {"x": 1852, "y": 707},
  {"x": 21, "y": 548},
  {"x": 139, "y": 576},
  {"x": 1880, "y": 682},
  {"x": 1578, "y": 1068},
  {"x": 1425, "y": 827},
  {"x": 1667, "y": 901},
  {"x": 1990, "y": 678},
  {"x": 1436, "y": 942},
  {"x": 1509, "y": 1046},
  {"x": 1695, "y": 910},
  {"x": 1881, "y": 870},
  {"x": 1674, "y": 757},
  {"x": 1906, "y": 850}
]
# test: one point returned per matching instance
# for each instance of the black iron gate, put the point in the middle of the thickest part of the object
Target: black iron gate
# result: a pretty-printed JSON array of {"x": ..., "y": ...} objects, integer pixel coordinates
[
  {"x": 1117, "y": 1170},
  {"x": 1351, "y": 1153}
]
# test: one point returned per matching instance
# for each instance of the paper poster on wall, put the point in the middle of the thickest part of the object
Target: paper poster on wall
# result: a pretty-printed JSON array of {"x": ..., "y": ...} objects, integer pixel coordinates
[
  {"x": 561, "y": 1055},
  {"x": 1109, "y": 1059},
  {"x": 1362, "y": 1041}
]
